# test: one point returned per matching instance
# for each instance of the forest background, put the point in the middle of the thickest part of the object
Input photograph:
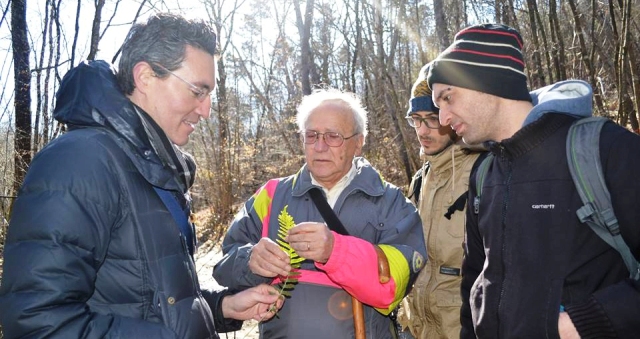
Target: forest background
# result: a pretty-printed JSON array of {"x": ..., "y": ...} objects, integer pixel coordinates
[{"x": 274, "y": 52}]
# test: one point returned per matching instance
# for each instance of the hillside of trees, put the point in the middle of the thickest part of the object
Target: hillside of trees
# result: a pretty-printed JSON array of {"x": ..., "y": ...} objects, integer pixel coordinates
[{"x": 274, "y": 52}]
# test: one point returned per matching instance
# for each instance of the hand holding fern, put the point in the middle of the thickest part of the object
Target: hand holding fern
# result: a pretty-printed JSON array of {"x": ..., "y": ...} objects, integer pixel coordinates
[
  {"x": 268, "y": 259},
  {"x": 260, "y": 303},
  {"x": 311, "y": 240}
]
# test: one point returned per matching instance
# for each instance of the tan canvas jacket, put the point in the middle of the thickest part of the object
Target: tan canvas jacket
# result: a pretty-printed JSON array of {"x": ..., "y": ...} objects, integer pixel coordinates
[{"x": 432, "y": 309}]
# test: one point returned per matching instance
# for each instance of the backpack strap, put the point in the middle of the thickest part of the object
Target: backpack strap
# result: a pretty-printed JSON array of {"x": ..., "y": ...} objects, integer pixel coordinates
[
  {"x": 327, "y": 213},
  {"x": 457, "y": 205},
  {"x": 480, "y": 175},
  {"x": 417, "y": 182},
  {"x": 583, "y": 154},
  {"x": 180, "y": 217}
]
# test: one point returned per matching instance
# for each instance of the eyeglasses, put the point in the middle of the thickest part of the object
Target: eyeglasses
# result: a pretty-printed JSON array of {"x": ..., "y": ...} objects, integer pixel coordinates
[
  {"x": 198, "y": 92},
  {"x": 432, "y": 121},
  {"x": 332, "y": 139}
]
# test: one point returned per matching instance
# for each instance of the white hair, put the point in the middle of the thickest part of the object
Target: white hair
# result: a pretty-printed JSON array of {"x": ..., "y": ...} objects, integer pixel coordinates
[{"x": 320, "y": 96}]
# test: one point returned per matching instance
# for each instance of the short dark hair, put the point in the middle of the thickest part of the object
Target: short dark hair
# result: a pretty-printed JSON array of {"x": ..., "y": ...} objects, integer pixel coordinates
[{"x": 162, "y": 39}]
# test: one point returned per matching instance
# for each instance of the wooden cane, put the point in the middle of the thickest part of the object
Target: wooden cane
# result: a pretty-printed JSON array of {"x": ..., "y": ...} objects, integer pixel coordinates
[{"x": 356, "y": 305}]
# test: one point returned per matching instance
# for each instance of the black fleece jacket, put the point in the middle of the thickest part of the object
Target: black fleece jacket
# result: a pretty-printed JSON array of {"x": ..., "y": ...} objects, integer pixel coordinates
[{"x": 527, "y": 253}]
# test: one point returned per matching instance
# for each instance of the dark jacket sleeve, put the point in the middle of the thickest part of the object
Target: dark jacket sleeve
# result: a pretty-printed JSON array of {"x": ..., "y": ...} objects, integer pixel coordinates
[
  {"x": 214, "y": 299},
  {"x": 473, "y": 259},
  {"x": 58, "y": 237},
  {"x": 615, "y": 310}
]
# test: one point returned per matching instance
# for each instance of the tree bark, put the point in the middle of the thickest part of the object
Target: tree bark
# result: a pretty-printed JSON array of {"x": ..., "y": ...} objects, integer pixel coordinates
[
  {"x": 22, "y": 91},
  {"x": 584, "y": 54},
  {"x": 95, "y": 30},
  {"x": 537, "y": 78},
  {"x": 623, "y": 55},
  {"x": 442, "y": 30},
  {"x": 304, "y": 30},
  {"x": 557, "y": 50}
]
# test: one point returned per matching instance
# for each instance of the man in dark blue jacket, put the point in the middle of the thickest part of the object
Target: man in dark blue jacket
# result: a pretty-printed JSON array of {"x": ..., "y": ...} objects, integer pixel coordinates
[
  {"x": 100, "y": 244},
  {"x": 531, "y": 268}
]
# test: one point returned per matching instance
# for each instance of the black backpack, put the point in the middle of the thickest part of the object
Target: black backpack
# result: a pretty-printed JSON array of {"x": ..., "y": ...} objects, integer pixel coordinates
[{"x": 457, "y": 205}]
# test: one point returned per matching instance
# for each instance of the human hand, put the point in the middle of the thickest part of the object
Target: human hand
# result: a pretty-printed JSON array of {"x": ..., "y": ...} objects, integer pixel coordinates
[
  {"x": 311, "y": 240},
  {"x": 268, "y": 259},
  {"x": 566, "y": 329},
  {"x": 260, "y": 303}
]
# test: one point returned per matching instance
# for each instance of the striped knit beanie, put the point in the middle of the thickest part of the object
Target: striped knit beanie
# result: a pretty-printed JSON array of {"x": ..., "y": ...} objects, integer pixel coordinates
[
  {"x": 421, "y": 94},
  {"x": 485, "y": 58}
]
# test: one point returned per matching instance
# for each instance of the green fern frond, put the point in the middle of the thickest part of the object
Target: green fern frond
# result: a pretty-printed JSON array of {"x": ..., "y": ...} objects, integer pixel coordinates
[{"x": 286, "y": 222}]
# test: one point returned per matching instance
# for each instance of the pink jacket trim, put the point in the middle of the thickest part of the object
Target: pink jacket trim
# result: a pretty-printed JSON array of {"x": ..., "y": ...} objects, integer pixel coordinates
[
  {"x": 312, "y": 277},
  {"x": 353, "y": 265},
  {"x": 270, "y": 186}
]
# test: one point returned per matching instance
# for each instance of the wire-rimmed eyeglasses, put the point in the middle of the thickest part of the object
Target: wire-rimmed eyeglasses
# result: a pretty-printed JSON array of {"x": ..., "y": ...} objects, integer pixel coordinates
[
  {"x": 432, "y": 121},
  {"x": 198, "y": 92},
  {"x": 332, "y": 139}
]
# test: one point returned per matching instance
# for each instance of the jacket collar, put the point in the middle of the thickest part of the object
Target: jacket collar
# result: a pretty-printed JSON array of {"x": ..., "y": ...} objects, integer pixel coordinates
[
  {"x": 445, "y": 159},
  {"x": 530, "y": 136},
  {"x": 89, "y": 96}
]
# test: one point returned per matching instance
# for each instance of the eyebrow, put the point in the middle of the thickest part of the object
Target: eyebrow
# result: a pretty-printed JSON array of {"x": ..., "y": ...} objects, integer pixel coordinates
[
  {"x": 202, "y": 85},
  {"x": 439, "y": 97}
]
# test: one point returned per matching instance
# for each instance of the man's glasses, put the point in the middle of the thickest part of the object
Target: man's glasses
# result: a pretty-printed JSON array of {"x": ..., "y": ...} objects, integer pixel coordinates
[
  {"x": 198, "y": 92},
  {"x": 432, "y": 121},
  {"x": 332, "y": 139}
]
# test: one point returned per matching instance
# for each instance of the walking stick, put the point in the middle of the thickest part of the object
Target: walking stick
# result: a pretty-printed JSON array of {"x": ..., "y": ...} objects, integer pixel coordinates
[{"x": 356, "y": 305}]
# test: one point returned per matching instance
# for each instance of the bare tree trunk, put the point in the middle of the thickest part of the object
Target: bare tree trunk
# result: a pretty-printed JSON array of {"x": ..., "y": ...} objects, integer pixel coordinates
[
  {"x": 356, "y": 50},
  {"x": 557, "y": 50},
  {"x": 222, "y": 152},
  {"x": 545, "y": 51},
  {"x": 634, "y": 72},
  {"x": 22, "y": 91},
  {"x": 623, "y": 53},
  {"x": 537, "y": 78},
  {"x": 49, "y": 132},
  {"x": 304, "y": 29},
  {"x": 387, "y": 86},
  {"x": 442, "y": 30},
  {"x": 46, "y": 29},
  {"x": 95, "y": 30},
  {"x": 584, "y": 54},
  {"x": 75, "y": 35}
]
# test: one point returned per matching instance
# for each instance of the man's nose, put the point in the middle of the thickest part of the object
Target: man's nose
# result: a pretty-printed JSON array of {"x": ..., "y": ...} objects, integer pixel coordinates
[
  {"x": 320, "y": 144},
  {"x": 444, "y": 117},
  {"x": 204, "y": 109}
]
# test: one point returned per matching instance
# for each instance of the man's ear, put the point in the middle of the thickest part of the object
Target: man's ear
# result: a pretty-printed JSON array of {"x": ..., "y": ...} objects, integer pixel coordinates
[{"x": 143, "y": 76}]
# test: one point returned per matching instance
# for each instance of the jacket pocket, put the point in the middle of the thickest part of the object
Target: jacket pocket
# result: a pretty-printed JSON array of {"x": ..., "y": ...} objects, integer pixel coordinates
[
  {"x": 162, "y": 308},
  {"x": 448, "y": 298},
  {"x": 455, "y": 226}
]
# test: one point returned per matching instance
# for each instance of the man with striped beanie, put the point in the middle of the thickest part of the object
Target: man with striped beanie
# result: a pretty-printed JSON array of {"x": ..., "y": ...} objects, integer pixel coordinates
[{"x": 531, "y": 269}]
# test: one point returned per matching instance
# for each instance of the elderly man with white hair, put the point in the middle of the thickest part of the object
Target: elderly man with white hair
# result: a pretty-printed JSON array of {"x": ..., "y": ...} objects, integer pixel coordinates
[{"x": 380, "y": 225}]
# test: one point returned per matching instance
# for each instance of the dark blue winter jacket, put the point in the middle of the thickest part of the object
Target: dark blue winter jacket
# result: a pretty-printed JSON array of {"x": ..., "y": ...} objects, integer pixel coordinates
[{"x": 92, "y": 251}]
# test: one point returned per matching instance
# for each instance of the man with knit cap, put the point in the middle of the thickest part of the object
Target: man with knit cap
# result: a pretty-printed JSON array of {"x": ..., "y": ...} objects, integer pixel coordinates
[
  {"x": 432, "y": 309},
  {"x": 531, "y": 268}
]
